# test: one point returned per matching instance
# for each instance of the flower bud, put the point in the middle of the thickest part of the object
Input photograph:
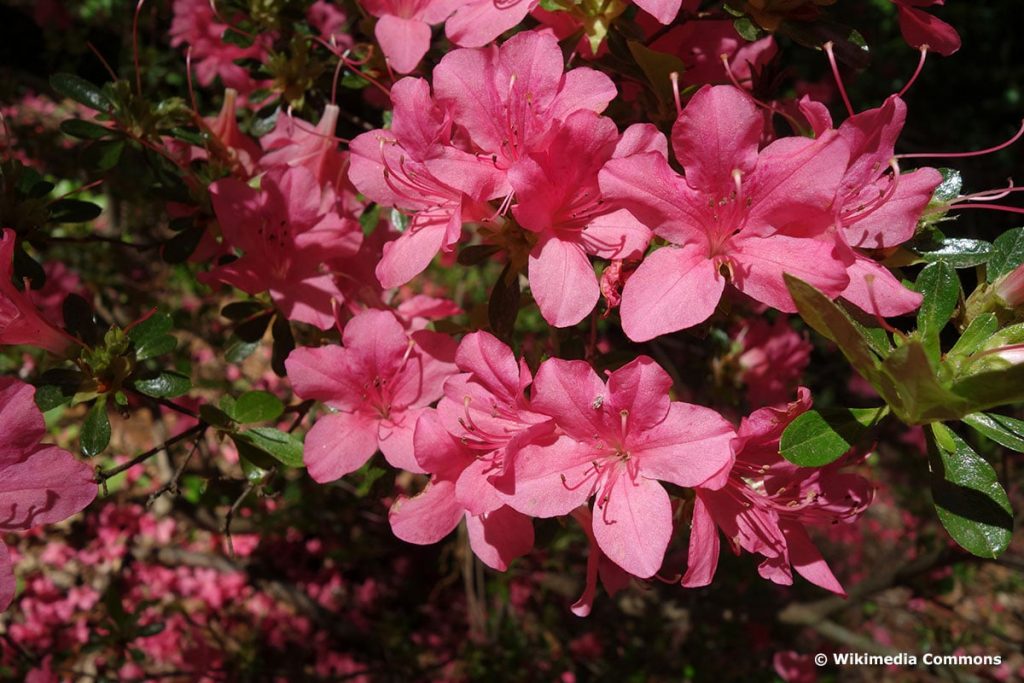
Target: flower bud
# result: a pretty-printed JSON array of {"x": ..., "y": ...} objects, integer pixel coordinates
[{"x": 1010, "y": 287}]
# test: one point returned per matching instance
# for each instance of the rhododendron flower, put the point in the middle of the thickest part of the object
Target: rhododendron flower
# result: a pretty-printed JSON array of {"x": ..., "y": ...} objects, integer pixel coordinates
[
  {"x": 21, "y": 321},
  {"x": 379, "y": 382},
  {"x": 919, "y": 28},
  {"x": 237, "y": 148},
  {"x": 612, "y": 576},
  {"x": 773, "y": 358},
  {"x": 764, "y": 502},
  {"x": 285, "y": 243},
  {"x": 738, "y": 214},
  {"x": 877, "y": 210},
  {"x": 39, "y": 483},
  {"x": 414, "y": 167},
  {"x": 701, "y": 44},
  {"x": 561, "y": 202},
  {"x": 477, "y": 22},
  {"x": 497, "y": 534},
  {"x": 618, "y": 440},
  {"x": 510, "y": 98}
]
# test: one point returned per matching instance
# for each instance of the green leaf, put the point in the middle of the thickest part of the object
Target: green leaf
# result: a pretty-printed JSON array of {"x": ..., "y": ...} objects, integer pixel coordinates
[
  {"x": 399, "y": 220},
  {"x": 960, "y": 253},
  {"x": 747, "y": 29},
  {"x": 1005, "y": 431},
  {"x": 182, "y": 245},
  {"x": 242, "y": 310},
  {"x": 49, "y": 396},
  {"x": 167, "y": 384},
  {"x": 940, "y": 286},
  {"x": 104, "y": 155},
  {"x": 970, "y": 502},
  {"x": 976, "y": 334},
  {"x": 212, "y": 415},
  {"x": 238, "y": 350},
  {"x": 949, "y": 188},
  {"x": 1007, "y": 253},
  {"x": 257, "y": 406},
  {"x": 921, "y": 397},
  {"x": 819, "y": 437},
  {"x": 992, "y": 388},
  {"x": 73, "y": 211},
  {"x": 95, "y": 434},
  {"x": 284, "y": 344},
  {"x": 150, "y": 337},
  {"x": 475, "y": 254},
  {"x": 284, "y": 447},
  {"x": 255, "y": 461},
  {"x": 658, "y": 67},
  {"x": 81, "y": 91},
  {"x": 85, "y": 130},
  {"x": 253, "y": 329},
  {"x": 79, "y": 319}
]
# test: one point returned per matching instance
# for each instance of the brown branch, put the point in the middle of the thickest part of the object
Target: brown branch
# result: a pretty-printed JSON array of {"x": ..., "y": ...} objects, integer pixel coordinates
[{"x": 103, "y": 475}]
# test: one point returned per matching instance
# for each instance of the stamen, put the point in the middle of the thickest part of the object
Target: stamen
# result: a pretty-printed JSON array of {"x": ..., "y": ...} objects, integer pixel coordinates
[
  {"x": 624, "y": 419},
  {"x": 769, "y": 107},
  {"x": 674, "y": 77},
  {"x": 991, "y": 207},
  {"x": 917, "y": 72},
  {"x": 879, "y": 202},
  {"x": 960, "y": 155},
  {"x": 188, "y": 80},
  {"x": 991, "y": 195},
  {"x": 835, "y": 73}
]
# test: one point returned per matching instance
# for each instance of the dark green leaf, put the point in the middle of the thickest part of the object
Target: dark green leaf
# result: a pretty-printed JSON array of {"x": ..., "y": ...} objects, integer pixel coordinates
[
  {"x": 284, "y": 447},
  {"x": 992, "y": 388},
  {"x": 79, "y": 319},
  {"x": 212, "y": 415},
  {"x": 85, "y": 130},
  {"x": 819, "y": 437},
  {"x": 921, "y": 397},
  {"x": 658, "y": 68},
  {"x": 150, "y": 337},
  {"x": 81, "y": 91},
  {"x": 1007, "y": 253},
  {"x": 747, "y": 29},
  {"x": 49, "y": 396},
  {"x": 369, "y": 219},
  {"x": 73, "y": 211},
  {"x": 104, "y": 155},
  {"x": 233, "y": 36},
  {"x": 477, "y": 253},
  {"x": 1005, "y": 431},
  {"x": 284, "y": 344},
  {"x": 26, "y": 267},
  {"x": 252, "y": 330},
  {"x": 257, "y": 406},
  {"x": 254, "y": 460},
  {"x": 241, "y": 310},
  {"x": 969, "y": 499},
  {"x": 238, "y": 350},
  {"x": 192, "y": 137},
  {"x": 182, "y": 245},
  {"x": 165, "y": 385},
  {"x": 503, "y": 306},
  {"x": 960, "y": 253},
  {"x": 95, "y": 434},
  {"x": 940, "y": 286}
]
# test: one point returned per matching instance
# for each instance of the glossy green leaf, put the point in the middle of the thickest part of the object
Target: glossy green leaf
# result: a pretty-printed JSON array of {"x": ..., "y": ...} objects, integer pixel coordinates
[
  {"x": 182, "y": 245},
  {"x": 84, "y": 130},
  {"x": 949, "y": 188},
  {"x": 284, "y": 447},
  {"x": 960, "y": 253},
  {"x": 81, "y": 91},
  {"x": 976, "y": 334},
  {"x": 922, "y": 398},
  {"x": 167, "y": 384},
  {"x": 819, "y": 437},
  {"x": 238, "y": 350},
  {"x": 73, "y": 211},
  {"x": 970, "y": 501},
  {"x": 1005, "y": 431},
  {"x": 992, "y": 388},
  {"x": 657, "y": 67},
  {"x": 212, "y": 415},
  {"x": 95, "y": 434},
  {"x": 257, "y": 406},
  {"x": 150, "y": 337},
  {"x": 241, "y": 310},
  {"x": 1007, "y": 253},
  {"x": 940, "y": 286},
  {"x": 284, "y": 344}
]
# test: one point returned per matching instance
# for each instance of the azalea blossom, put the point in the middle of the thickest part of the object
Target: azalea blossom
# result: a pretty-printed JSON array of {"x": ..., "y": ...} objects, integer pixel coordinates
[
  {"x": 377, "y": 383},
  {"x": 739, "y": 215},
  {"x": 919, "y": 28},
  {"x": 618, "y": 439}
]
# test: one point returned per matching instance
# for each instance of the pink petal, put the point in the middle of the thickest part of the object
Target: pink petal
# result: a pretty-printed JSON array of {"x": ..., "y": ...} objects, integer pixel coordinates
[
  {"x": 583, "y": 89},
  {"x": 437, "y": 451},
  {"x": 404, "y": 41},
  {"x": 617, "y": 235},
  {"x": 492, "y": 363},
  {"x": 808, "y": 561},
  {"x": 895, "y": 221},
  {"x": 380, "y": 341},
  {"x": 702, "y": 560},
  {"x": 691, "y": 445},
  {"x": 412, "y": 252},
  {"x": 8, "y": 585},
  {"x": 871, "y": 136},
  {"x": 427, "y": 517},
  {"x": 324, "y": 373},
  {"x": 640, "y": 138},
  {"x": 671, "y": 290},
  {"x": 21, "y": 421},
  {"x": 874, "y": 289},
  {"x": 395, "y": 438},
  {"x": 759, "y": 262},
  {"x": 538, "y": 475},
  {"x": 474, "y": 489},
  {"x": 235, "y": 205},
  {"x": 308, "y": 300},
  {"x": 500, "y": 536},
  {"x": 664, "y": 11},
  {"x": 562, "y": 281},
  {"x": 48, "y": 486},
  {"x": 640, "y": 388},
  {"x": 717, "y": 133},
  {"x": 573, "y": 394},
  {"x": 339, "y": 444},
  {"x": 634, "y": 524},
  {"x": 920, "y": 28},
  {"x": 478, "y": 22}
]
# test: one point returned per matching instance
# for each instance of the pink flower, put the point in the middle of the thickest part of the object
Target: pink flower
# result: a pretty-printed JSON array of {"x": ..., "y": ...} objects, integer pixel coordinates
[
  {"x": 766, "y": 502},
  {"x": 477, "y": 22},
  {"x": 793, "y": 667},
  {"x": 497, "y": 534},
  {"x": 285, "y": 243},
  {"x": 329, "y": 21},
  {"x": 773, "y": 358},
  {"x": 560, "y": 201},
  {"x": 237, "y": 149},
  {"x": 1010, "y": 287},
  {"x": 618, "y": 439},
  {"x": 21, "y": 321},
  {"x": 739, "y": 214},
  {"x": 920, "y": 28},
  {"x": 379, "y": 383},
  {"x": 39, "y": 483},
  {"x": 414, "y": 166}
]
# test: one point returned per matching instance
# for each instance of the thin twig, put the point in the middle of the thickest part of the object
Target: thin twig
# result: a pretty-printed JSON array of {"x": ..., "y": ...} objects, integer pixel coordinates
[
  {"x": 103, "y": 475},
  {"x": 172, "y": 485}
]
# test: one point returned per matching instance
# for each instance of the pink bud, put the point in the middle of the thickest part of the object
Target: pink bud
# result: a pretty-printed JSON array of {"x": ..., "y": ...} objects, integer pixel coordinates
[{"x": 1010, "y": 287}]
